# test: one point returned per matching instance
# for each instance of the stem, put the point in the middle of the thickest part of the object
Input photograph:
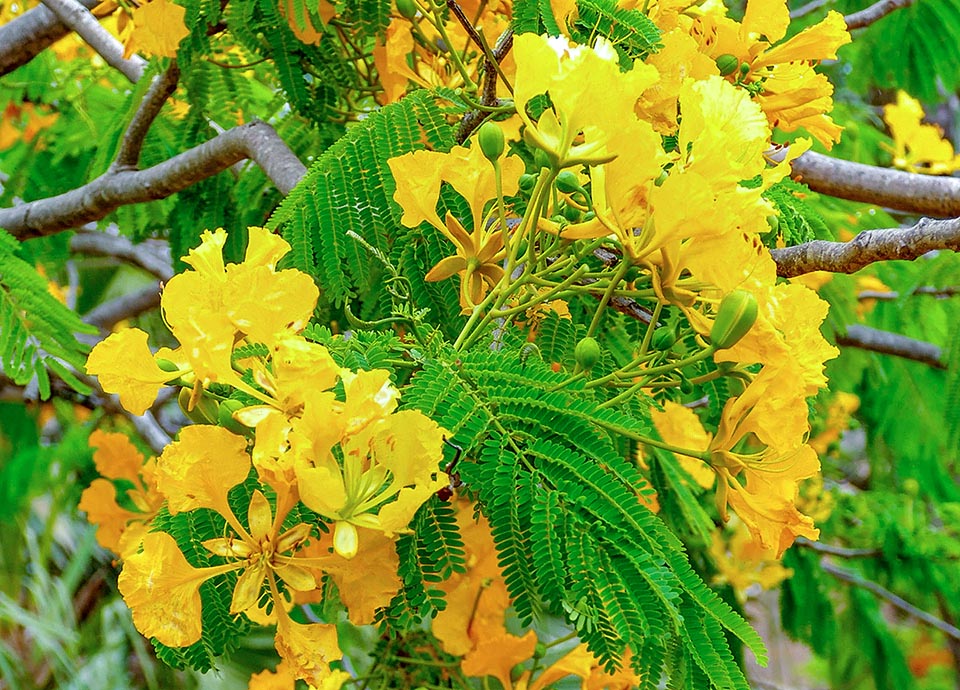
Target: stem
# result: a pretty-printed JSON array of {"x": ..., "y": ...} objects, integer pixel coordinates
[{"x": 617, "y": 277}]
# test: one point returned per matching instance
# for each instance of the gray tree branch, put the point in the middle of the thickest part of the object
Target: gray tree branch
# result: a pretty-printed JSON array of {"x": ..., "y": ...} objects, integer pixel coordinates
[
  {"x": 105, "y": 316},
  {"x": 30, "y": 34},
  {"x": 160, "y": 90},
  {"x": 78, "y": 18},
  {"x": 898, "y": 602},
  {"x": 151, "y": 255},
  {"x": 929, "y": 195},
  {"x": 883, "y": 342},
  {"x": 868, "y": 247},
  {"x": 875, "y": 12},
  {"x": 256, "y": 140}
]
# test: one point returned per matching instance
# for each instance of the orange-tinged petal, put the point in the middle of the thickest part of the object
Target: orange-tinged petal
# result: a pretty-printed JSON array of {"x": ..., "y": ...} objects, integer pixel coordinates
[
  {"x": 246, "y": 593},
  {"x": 99, "y": 502},
  {"x": 259, "y": 515},
  {"x": 199, "y": 469},
  {"x": 163, "y": 591},
  {"x": 308, "y": 649},
  {"x": 115, "y": 456},
  {"x": 124, "y": 365},
  {"x": 446, "y": 268},
  {"x": 496, "y": 655},
  {"x": 577, "y": 662},
  {"x": 297, "y": 577}
]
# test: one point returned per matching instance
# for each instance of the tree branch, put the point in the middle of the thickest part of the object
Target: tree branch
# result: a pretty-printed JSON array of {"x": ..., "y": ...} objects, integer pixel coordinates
[
  {"x": 875, "y": 12},
  {"x": 128, "y": 157},
  {"x": 105, "y": 316},
  {"x": 151, "y": 255},
  {"x": 78, "y": 18},
  {"x": 855, "y": 579},
  {"x": 929, "y": 195},
  {"x": 905, "y": 244},
  {"x": 29, "y": 34},
  {"x": 886, "y": 343},
  {"x": 839, "y": 551},
  {"x": 935, "y": 292},
  {"x": 257, "y": 141}
]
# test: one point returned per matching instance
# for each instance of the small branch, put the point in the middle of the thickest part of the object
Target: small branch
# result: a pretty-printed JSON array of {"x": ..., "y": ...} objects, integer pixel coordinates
[
  {"x": 78, "y": 18},
  {"x": 488, "y": 97},
  {"x": 855, "y": 579},
  {"x": 128, "y": 157},
  {"x": 257, "y": 141},
  {"x": 30, "y": 34},
  {"x": 871, "y": 339},
  {"x": 930, "y": 195},
  {"x": 809, "y": 8},
  {"x": 151, "y": 255},
  {"x": 876, "y": 11},
  {"x": 839, "y": 551},
  {"x": 935, "y": 292},
  {"x": 105, "y": 316},
  {"x": 905, "y": 244}
]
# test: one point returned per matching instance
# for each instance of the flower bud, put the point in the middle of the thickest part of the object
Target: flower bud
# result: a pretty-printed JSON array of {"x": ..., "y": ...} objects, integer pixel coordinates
[
  {"x": 407, "y": 8},
  {"x": 737, "y": 314},
  {"x": 527, "y": 182},
  {"x": 226, "y": 419},
  {"x": 203, "y": 411},
  {"x": 663, "y": 339},
  {"x": 727, "y": 64},
  {"x": 587, "y": 353},
  {"x": 490, "y": 137},
  {"x": 568, "y": 182},
  {"x": 346, "y": 541}
]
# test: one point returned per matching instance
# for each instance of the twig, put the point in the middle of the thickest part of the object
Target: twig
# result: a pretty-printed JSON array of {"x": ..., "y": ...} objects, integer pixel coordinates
[
  {"x": 875, "y": 12},
  {"x": 105, "y": 316},
  {"x": 935, "y": 292},
  {"x": 833, "y": 550},
  {"x": 855, "y": 579},
  {"x": 474, "y": 118},
  {"x": 929, "y": 195},
  {"x": 257, "y": 141},
  {"x": 868, "y": 247},
  {"x": 809, "y": 8},
  {"x": 29, "y": 34},
  {"x": 160, "y": 90},
  {"x": 78, "y": 18},
  {"x": 151, "y": 255},
  {"x": 866, "y": 338}
]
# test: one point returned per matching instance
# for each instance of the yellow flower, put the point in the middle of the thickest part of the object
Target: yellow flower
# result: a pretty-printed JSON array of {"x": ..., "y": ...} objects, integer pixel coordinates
[
  {"x": 124, "y": 365},
  {"x": 742, "y": 562},
  {"x": 118, "y": 529},
  {"x": 479, "y": 252},
  {"x": 387, "y": 465},
  {"x": 781, "y": 75},
  {"x": 917, "y": 147},
  {"x": 158, "y": 28},
  {"x": 215, "y": 306},
  {"x": 577, "y": 79}
]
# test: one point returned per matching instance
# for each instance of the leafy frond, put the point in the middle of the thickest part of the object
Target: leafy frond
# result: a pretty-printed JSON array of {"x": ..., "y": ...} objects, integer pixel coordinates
[{"x": 37, "y": 332}]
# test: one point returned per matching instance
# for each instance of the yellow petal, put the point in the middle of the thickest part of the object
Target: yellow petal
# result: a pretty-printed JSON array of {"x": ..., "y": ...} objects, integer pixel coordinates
[
  {"x": 159, "y": 28},
  {"x": 246, "y": 593},
  {"x": 417, "y": 175},
  {"x": 346, "y": 541},
  {"x": 99, "y": 502},
  {"x": 124, "y": 365},
  {"x": 297, "y": 577},
  {"x": 115, "y": 456},
  {"x": 446, "y": 268},
  {"x": 308, "y": 649},
  {"x": 199, "y": 469},
  {"x": 163, "y": 591},
  {"x": 259, "y": 515},
  {"x": 264, "y": 248}
]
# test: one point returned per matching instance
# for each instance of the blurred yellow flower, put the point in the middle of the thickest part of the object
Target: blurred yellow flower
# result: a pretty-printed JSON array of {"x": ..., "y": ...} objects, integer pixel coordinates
[{"x": 917, "y": 147}]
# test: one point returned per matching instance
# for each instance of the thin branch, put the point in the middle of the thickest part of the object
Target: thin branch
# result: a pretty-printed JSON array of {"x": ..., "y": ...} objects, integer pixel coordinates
[
  {"x": 491, "y": 68},
  {"x": 151, "y": 255},
  {"x": 78, "y": 18},
  {"x": 809, "y": 8},
  {"x": 866, "y": 338},
  {"x": 869, "y": 246},
  {"x": 105, "y": 316},
  {"x": 876, "y": 11},
  {"x": 257, "y": 141},
  {"x": 855, "y": 579},
  {"x": 935, "y": 292},
  {"x": 30, "y": 34},
  {"x": 128, "y": 157},
  {"x": 833, "y": 550},
  {"x": 929, "y": 195}
]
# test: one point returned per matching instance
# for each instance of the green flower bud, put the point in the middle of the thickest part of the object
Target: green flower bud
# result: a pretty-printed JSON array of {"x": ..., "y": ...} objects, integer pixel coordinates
[
  {"x": 737, "y": 314},
  {"x": 587, "y": 353},
  {"x": 166, "y": 364},
  {"x": 568, "y": 182},
  {"x": 407, "y": 8},
  {"x": 727, "y": 64},
  {"x": 773, "y": 220},
  {"x": 686, "y": 386},
  {"x": 527, "y": 182},
  {"x": 490, "y": 137},
  {"x": 226, "y": 419},
  {"x": 571, "y": 213},
  {"x": 204, "y": 411},
  {"x": 663, "y": 339}
]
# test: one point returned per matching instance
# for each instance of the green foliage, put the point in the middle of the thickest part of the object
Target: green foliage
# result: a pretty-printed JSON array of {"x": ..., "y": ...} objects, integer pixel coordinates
[
  {"x": 572, "y": 535},
  {"x": 37, "y": 332},
  {"x": 349, "y": 190},
  {"x": 798, "y": 220}
]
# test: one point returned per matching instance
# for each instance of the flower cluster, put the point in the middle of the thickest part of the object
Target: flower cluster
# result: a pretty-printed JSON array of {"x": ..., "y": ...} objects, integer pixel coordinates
[
  {"x": 297, "y": 432},
  {"x": 683, "y": 206}
]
